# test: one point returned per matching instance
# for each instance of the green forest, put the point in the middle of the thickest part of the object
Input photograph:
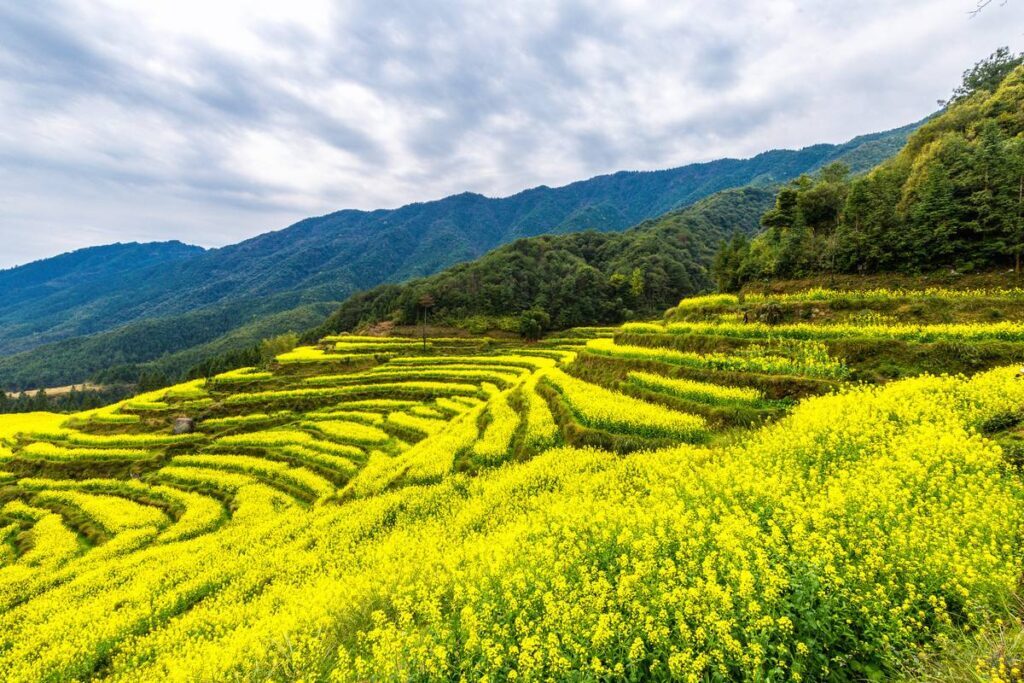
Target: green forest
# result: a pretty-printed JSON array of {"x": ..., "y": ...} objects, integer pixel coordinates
[
  {"x": 952, "y": 198},
  {"x": 560, "y": 281}
]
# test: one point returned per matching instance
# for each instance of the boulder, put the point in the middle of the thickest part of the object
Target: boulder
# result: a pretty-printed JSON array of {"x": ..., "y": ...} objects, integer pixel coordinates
[{"x": 184, "y": 425}]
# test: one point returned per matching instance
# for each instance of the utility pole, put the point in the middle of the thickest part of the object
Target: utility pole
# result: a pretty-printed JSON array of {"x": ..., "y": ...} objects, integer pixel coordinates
[{"x": 426, "y": 303}]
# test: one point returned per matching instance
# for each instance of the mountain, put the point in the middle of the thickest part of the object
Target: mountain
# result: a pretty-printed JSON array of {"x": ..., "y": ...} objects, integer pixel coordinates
[
  {"x": 561, "y": 281},
  {"x": 50, "y": 299},
  {"x": 951, "y": 199},
  {"x": 147, "y": 312}
]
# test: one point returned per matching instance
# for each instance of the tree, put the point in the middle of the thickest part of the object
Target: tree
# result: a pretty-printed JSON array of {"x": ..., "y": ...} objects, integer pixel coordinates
[
  {"x": 928, "y": 240},
  {"x": 40, "y": 401},
  {"x": 730, "y": 266},
  {"x": 636, "y": 284},
  {"x": 534, "y": 323},
  {"x": 783, "y": 214},
  {"x": 982, "y": 4},
  {"x": 271, "y": 348},
  {"x": 986, "y": 74},
  {"x": 991, "y": 201},
  {"x": 152, "y": 379},
  {"x": 1015, "y": 164}
]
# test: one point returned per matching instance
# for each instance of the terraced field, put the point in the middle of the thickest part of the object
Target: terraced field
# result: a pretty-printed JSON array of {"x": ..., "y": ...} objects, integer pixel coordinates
[{"x": 697, "y": 499}]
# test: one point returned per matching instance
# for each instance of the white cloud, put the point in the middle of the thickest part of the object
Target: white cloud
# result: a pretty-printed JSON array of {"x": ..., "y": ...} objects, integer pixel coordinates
[{"x": 214, "y": 121}]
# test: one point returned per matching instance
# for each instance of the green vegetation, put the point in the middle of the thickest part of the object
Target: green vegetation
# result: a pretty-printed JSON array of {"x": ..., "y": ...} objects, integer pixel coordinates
[
  {"x": 562, "y": 281},
  {"x": 807, "y": 480},
  {"x": 148, "y": 314},
  {"x": 952, "y": 198},
  {"x": 73, "y": 400}
]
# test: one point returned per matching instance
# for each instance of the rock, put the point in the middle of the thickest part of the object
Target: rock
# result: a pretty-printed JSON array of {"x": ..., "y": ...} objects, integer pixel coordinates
[
  {"x": 770, "y": 314},
  {"x": 184, "y": 425}
]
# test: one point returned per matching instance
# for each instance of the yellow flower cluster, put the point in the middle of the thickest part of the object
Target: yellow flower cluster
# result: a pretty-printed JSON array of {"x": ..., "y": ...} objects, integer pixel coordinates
[
  {"x": 813, "y": 363},
  {"x": 314, "y": 544},
  {"x": 606, "y": 409},
  {"x": 528, "y": 362},
  {"x": 416, "y": 423},
  {"x": 11, "y": 425},
  {"x": 271, "y": 472},
  {"x": 242, "y": 375},
  {"x": 366, "y": 339},
  {"x": 541, "y": 429},
  {"x": 235, "y": 421},
  {"x": 704, "y": 392},
  {"x": 192, "y": 513},
  {"x": 195, "y": 389},
  {"x": 115, "y": 419},
  {"x": 879, "y": 295},
  {"x": 382, "y": 389},
  {"x": 282, "y": 439},
  {"x": 44, "y": 450},
  {"x": 344, "y": 431},
  {"x": 312, "y": 354},
  {"x": 1003, "y": 331},
  {"x": 494, "y": 443},
  {"x": 386, "y": 374},
  {"x": 111, "y": 513},
  {"x": 77, "y": 438}
]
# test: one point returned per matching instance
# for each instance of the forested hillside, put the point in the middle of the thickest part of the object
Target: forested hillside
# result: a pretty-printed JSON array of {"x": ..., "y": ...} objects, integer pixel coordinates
[
  {"x": 561, "y": 281},
  {"x": 275, "y": 280},
  {"x": 952, "y": 198},
  {"x": 38, "y": 301}
]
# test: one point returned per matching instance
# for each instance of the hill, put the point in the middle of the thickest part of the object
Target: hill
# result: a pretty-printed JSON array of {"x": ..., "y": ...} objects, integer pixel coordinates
[
  {"x": 204, "y": 299},
  {"x": 562, "y": 281},
  {"x": 50, "y": 299},
  {"x": 703, "y": 499},
  {"x": 952, "y": 198}
]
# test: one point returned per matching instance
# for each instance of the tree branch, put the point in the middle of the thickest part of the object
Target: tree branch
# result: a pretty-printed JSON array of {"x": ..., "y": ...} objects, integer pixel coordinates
[{"x": 982, "y": 4}]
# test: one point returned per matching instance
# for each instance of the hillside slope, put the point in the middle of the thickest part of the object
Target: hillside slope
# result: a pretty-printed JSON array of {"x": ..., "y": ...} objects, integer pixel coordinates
[
  {"x": 219, "y": 300},
  {"x": 578, "y": 279},
  {"x": 330, "y": 257},
  {"x": 53, "y": 298},
  {"x": 952, "y": 198},
  {"x": 393, "y": 509}
]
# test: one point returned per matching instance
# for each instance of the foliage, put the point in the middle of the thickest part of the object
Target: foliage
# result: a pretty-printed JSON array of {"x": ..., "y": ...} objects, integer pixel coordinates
[
  {"x": 699, "y": 391},
  {"x": 810, "y": 358},
  {"x": 986, "y": 74},
  {"x": 813, "y": 549},
  {"x": 953, "y": 197},
  {"x": 113, "y": 313},
  {"x": 570, "y": 280},
  {"x": 610, "y": 410},
  {"x": 74, "y": 400},
  {"x": 1006, "y": 331}
]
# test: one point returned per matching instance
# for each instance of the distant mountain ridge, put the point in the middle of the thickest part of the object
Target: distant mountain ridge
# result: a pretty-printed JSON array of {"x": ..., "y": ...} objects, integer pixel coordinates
[
  {"x": 209, "y": 294},
  {"x": 37, "y": 298},
  {"x": 572, "y": 279}
]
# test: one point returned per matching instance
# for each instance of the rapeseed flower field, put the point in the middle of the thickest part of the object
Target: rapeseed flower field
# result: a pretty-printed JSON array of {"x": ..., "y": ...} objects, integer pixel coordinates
[{"x": 387, "y": 509}]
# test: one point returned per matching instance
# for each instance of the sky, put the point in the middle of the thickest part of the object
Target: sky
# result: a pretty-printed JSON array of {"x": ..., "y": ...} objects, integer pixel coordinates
[{"x": 215, "y": 120}]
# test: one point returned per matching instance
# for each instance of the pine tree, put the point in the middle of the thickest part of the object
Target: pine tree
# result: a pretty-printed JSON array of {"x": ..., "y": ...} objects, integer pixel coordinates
[
  {"x": 1015, "y": 165},
  {"x": 929, "y": 240}
]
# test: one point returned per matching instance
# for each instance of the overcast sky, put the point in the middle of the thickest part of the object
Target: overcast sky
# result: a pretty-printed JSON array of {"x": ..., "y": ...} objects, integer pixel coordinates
[{"x": 211, "y": 121}]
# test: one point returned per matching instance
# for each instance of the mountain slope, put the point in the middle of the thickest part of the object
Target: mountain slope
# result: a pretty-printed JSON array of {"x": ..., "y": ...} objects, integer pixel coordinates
[
  {"x": 952, "y": 198},
  {"x": 583, "y": 278},
  {"x": 326, "y": 259},
  {"x": 52, "y": 298}
]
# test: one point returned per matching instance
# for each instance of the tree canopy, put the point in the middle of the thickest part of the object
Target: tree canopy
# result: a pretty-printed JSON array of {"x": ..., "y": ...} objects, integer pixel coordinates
[{"x": 953, "y": 197}]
